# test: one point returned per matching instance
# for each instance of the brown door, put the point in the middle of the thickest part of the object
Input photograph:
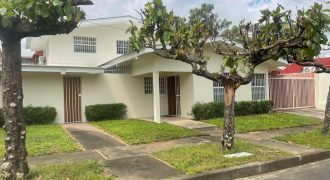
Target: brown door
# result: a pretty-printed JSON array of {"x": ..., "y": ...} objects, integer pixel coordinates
[
  {"x": 72, "y": 99},
  {"x": 171, "y": 96}
]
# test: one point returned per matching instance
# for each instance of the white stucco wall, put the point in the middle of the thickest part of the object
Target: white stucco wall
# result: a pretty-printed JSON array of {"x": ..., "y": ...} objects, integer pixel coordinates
[
  {"x": 46, "y": 89},
  {"x": 187, "y": 94},
  {"x": 322, "y": 84},
  {"x": 203, "y": 88},
  {"x": 60, "y": 49},
  {"x": 114, "y": 88}
]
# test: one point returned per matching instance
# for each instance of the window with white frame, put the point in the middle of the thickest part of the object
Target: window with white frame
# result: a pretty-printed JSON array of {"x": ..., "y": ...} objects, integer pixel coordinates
[
  {"x": 218, "y": 92},
  {"x": 162, "y": 85},
  {"x": 148, "y": 85},
  {"x": 84, "y": 44},
  {"x": 258, "y": 87},
  {"x": 122, "y": 47}
]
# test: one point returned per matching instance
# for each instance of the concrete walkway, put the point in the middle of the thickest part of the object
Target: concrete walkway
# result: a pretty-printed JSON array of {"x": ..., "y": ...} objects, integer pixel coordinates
[
  {"x": 91, "y": 137},
  {"x": 127, "y": 162},
  {"x": 308, "y": 112},
  {"x": 136, "y": 162}
]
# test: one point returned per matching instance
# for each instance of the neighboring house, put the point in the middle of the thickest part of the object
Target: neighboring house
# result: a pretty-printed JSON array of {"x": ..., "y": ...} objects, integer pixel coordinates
[
  {"x": 306, "y": 88},
  {"x": 93, "y": 65}
]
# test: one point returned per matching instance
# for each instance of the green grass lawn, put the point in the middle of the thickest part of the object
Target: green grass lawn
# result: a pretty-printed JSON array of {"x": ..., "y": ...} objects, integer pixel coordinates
[
  {"x": 311, "y": 138},
  {"x": 45, "y": 139},
  {"x": 142, "y": 132},
  {"x": 267, "y": 122},
  {"x": 87, "y": 170},
  {"x": 201, "y": 158}
]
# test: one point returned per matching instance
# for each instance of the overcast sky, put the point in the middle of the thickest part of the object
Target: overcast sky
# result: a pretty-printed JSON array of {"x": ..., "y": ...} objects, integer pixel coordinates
[{"x": 233, "y": 10}]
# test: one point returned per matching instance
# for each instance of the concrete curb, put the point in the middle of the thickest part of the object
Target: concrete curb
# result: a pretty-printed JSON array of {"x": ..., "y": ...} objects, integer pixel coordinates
[{"x": 256, "y": 168}]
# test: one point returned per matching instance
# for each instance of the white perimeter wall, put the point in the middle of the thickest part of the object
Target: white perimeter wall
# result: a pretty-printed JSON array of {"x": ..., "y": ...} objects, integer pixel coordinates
[
  {"x": 43, "y": 89},
  {"x": 322, "y": 83}
]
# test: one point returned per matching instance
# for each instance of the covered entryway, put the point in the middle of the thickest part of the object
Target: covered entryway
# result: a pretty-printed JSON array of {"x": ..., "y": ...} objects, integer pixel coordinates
[
  {"x": 169, "y": 88},
  {"x": 173, "y": 95},
  {"x": 72, "y": 99},
  {"x": 292, "y": 92}
]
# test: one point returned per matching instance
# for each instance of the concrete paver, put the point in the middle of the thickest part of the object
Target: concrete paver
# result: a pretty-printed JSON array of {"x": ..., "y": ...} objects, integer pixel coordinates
[
  {"x": 269, "y": 134},
  {"x": 145, "y": 149},
  {"x": 286, "y": 147},
  {"x": 90, "y": 137},
  {"x": 308, "y": 112},
  {"x": 127, "y": 162},
  {"x": 140, "y": 167},
  {"x": 191, "y": 124}
]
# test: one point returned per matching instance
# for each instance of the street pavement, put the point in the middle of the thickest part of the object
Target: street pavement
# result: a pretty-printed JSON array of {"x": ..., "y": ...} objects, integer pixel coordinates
[{"x": 314, "y": 171}]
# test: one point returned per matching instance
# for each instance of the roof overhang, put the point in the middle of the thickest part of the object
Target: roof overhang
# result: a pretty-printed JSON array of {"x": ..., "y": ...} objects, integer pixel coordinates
[
  {"x": 61, "y": 69},
  {"x": 126, "y": 57},
  {"x": 133, "y": 55}
]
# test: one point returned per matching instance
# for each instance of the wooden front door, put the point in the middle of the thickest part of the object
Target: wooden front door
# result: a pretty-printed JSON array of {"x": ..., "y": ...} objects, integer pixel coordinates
[
  {"x": 171, "y": 96},
  {"x": 72, "y": 99}
]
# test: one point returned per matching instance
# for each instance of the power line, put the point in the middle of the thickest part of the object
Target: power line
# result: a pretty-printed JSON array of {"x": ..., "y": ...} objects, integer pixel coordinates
[{"x": 102, "y": 25}]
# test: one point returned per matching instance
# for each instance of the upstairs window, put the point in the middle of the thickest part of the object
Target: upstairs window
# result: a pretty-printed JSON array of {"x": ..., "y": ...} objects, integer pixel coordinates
[
  {"x": 122, "y": 47},
  {"x": 84, "y": 44},
  {"x": 258, "y": 87}
]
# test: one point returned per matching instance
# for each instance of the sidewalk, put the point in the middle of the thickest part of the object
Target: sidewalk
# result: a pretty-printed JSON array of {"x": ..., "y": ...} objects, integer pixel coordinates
[
  {"x": 127, "y": 162},
  {"x": 136, "y": 162}
]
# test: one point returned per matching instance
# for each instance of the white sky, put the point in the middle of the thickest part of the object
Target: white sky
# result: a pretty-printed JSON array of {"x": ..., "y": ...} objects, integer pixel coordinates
[{"x": 233, "y": 10}]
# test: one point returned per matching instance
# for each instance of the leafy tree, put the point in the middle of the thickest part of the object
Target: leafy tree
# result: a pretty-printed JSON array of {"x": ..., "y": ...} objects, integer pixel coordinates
[
  {"x": 277, "y": 34},
  {"x": 20, "y": 19}
]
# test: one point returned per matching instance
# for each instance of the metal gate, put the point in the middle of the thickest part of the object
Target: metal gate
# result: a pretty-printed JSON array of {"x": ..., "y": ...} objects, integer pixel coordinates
[{"x": 292, "y": 92}]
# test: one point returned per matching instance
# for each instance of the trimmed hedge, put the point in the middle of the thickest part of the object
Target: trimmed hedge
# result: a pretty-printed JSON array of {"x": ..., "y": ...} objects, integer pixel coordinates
[
  {"x": 202, "y": 111},
  {"x": 35, "y": 115},
  {"x": 39, "y": 115},
  {"x": 101, "y": 112}
]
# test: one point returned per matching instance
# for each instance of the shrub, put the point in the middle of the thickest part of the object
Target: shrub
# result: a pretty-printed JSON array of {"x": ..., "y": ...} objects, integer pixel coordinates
[
  {"x": 39, "y": 115},
  {"x": 35, "y": 115},
  {"x": 212, "y": 110},
  {"x": 105, "y": 112}
]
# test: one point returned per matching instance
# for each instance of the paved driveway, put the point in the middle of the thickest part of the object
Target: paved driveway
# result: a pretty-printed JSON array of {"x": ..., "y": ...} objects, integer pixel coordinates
[{"x": 309, "y": 112}]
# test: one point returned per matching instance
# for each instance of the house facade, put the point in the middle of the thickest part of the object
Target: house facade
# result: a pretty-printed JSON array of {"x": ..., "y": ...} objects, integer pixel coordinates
[{"x": 93, "y": 65}]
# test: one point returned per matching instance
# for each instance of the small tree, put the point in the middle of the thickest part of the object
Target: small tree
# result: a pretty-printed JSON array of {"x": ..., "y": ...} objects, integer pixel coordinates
[
  {"x": 275, "y": 35},
  {"x": 20, "y": 19}
]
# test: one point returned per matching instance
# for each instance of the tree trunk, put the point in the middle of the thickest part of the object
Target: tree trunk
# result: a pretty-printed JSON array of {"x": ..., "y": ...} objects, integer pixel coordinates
[
  {"x": 326, "y": 122},
  {"x": 229, "y": 117},
  {"x": 15, "y": 164}
]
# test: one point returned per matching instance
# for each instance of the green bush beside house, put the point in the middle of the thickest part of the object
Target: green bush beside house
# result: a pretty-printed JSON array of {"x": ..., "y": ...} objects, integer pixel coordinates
[
  {"x": 35, "y": 115},
  {"x": 202, "y": 111},
  {"x": 101, "y": 112}
]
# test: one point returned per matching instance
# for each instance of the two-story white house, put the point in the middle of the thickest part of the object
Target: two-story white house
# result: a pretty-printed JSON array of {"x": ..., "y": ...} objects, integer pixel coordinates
[{"x": 93, "y": 65}]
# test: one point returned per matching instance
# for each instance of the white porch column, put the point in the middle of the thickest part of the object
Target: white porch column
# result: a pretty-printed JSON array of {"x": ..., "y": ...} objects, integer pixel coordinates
[{"x": 155, "y": 85}]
